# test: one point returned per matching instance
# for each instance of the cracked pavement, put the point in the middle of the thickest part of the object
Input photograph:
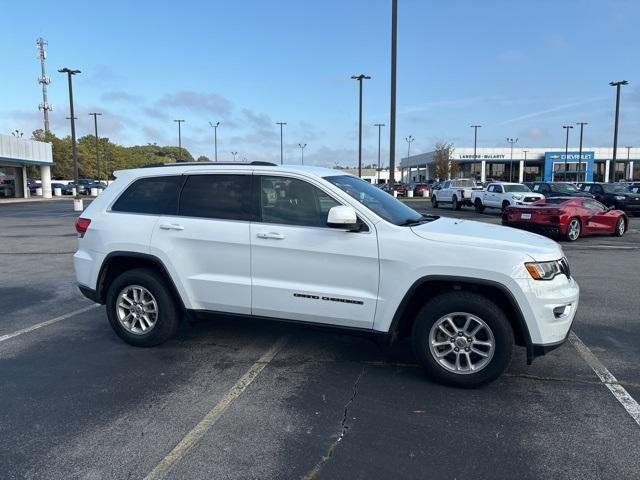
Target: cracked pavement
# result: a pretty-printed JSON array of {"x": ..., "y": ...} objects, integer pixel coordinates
[{"x": 76, "y": 402}]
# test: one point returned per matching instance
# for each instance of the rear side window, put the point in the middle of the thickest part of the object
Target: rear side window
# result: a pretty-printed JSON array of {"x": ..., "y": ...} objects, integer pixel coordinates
[
  {"x": 153, "y": 195},
  {"x": 225, "y": 197}
]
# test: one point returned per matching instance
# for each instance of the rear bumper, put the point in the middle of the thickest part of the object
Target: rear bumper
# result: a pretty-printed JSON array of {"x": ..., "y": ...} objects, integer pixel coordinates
[{"x": 547, "y": 229}]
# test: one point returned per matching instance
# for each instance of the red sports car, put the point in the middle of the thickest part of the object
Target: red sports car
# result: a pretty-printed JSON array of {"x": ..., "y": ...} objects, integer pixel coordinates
[{"x": 569, "y": 217}]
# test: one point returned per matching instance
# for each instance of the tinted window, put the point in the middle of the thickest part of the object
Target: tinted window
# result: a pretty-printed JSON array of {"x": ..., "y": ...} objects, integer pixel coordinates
[
  {"x": 593, "y": 205},
  {"x": 225, "y": 197},
  {"x": 154, "y": 195},
  {"x": 492, "y": 188},
  {"x": 498, "y": 188},
  {"x": 516, "y": 188},
  {"x": 290, "y": 201}
]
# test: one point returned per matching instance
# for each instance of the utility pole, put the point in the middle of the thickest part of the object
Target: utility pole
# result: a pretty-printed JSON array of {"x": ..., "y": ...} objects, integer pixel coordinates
[
  {"x": 566, "y": 151},
  {"x": 511, "y": 141},
  {"x": 612, "y": 169},
  {"x": 281, "y": 149},
  {"x": 392, "y": 109},
  {"x": 582, "y": 124},
  {"x": 379, "y": 125},
  {"x": 95, "y": 123},
  {"x": 360, "y": 78},
  {"x": 524, "y": 166},
  {"x": 475, "y": 140},
  {"x": 628, "y": 163},
  {"x": 44, "y": 81},
  {"x": 74, "y": 150},
  {"x": 215, "y": 139},
  {"x": 302, "y": 146},
  {"x": 179, "y": 159}
]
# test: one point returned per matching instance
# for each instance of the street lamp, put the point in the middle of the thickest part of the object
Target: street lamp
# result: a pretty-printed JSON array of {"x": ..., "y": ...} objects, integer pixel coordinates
[
  {"x": 74, "y": 150},
  {"x": 475, "y": 144},
  {"x": 629, "y": 162},
  {"x": 379, "y": 125},
  {"x": 524, "y": 166},
  {"x": 179, "y": 141},
  {"x": 511, "y": 141},
  {"x": 302, "y": 146},
  {"x": 17, "y": 133},
  {"x": 566, "y": 151},
  {"x": 582, "y": 124},
  {"x": 360, "y": 78},
  {"x": 392, "y": 107},
  {"x": 95, "y": 124},
  {"x": 615, "y": 127},
  {"x": 215, "y": 139},
  {"x": 281, "y": 151},
  {"x": 234, "y": 155}
]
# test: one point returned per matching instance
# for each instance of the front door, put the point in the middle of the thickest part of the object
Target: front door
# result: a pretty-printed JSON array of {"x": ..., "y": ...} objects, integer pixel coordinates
[
  {"x": 303, "y": 270},
  {"x": 600, "y": 219}
]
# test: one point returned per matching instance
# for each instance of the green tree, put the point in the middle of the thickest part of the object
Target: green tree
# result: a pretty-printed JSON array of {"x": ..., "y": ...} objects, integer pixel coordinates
[
  {"x": 203, "y": 158},
  {"x": 443, "y": 166}
]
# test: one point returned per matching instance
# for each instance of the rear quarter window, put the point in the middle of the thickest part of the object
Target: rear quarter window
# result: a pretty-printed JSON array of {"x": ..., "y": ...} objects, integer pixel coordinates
[{"x": 152, "y": 195}]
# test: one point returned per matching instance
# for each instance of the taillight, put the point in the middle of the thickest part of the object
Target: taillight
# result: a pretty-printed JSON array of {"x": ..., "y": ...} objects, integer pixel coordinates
[{"x": 82, "y": 224}]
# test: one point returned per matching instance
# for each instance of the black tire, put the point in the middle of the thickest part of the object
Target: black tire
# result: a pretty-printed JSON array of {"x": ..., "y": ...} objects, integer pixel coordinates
[
  {"x": 505, "y": 205},
  {"x": 618, "y": 232},
  {"x": 478, "y": 206},
  {"x": 570, "y": 236},
  {"x": 168, "y": 316},
  {"x": 477, "y": 305},
  {"x": 434, "y": 201},
  {"x": 455, "y": 204}
]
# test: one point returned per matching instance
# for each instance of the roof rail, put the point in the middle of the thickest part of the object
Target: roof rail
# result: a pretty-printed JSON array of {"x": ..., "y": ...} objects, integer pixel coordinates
[{"x": 177, "y": 164}]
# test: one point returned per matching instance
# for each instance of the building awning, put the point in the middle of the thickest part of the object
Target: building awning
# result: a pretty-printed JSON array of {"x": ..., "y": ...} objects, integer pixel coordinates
[{"x": 19, "y": 151}]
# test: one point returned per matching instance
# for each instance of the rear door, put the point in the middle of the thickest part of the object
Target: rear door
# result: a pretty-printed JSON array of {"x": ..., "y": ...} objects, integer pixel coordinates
[
  {"x": 304, "y": 270},
  {"x": 205, "y": 245}
]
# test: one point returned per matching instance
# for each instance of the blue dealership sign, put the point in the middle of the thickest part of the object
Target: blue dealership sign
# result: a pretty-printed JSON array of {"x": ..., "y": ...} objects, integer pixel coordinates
[{"x": 557, "y": 159}]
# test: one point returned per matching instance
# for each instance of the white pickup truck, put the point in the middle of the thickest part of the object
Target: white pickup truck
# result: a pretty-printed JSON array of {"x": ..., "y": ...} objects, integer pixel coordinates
[
  {"x": 503, "y": 195},
  {"x": 456, "y": 192}
]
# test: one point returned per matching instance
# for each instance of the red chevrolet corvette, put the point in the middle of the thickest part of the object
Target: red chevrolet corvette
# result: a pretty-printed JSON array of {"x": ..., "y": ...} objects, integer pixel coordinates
[{"x": 569, "y": 217}]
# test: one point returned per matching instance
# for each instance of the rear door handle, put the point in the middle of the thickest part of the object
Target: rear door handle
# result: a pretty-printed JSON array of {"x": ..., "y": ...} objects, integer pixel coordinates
[
  {"x": 271, "y": 235},
  {"x": 171, "y": 226}
]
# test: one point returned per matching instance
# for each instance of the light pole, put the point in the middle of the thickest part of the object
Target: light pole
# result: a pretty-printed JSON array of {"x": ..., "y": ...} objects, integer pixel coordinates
[
  {"x": 179, "y": 140},
  {"x": 629, "y": 163},
  {"x": 566, "y": 150},
  {"x": 524, "y": 166},
  {"x": 302, "y": 146},
  {"x": 17, "y": 133},
  {"x": 392, "y": 108},
  {"x": 215, "y": 139},
  {"x": 615, "y": 128},
  {"x": 74, "y": 150},
  {"x": 511, "y": 141},
  {"x": 281, "y": 150},
  {"x": 234, "y": 155},
  {"x": 582, "y": 124},
  {"x": 360, "y": 78},
  {"x": 95, "y": 124},
  {"x": 379, "y": 125}
]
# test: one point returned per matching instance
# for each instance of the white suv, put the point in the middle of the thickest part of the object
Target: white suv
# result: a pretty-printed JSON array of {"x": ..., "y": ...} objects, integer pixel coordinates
[{"x": 318, "y": 246}]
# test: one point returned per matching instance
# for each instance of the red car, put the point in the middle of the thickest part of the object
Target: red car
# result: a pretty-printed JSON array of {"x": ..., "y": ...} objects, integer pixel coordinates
[{"x": 569, "y": 217}]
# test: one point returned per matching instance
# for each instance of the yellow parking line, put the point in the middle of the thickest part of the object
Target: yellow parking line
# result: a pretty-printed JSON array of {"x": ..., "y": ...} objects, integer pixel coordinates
[
  {"x": 212, "y": 416},
  {"x": 47, "y": 323}
]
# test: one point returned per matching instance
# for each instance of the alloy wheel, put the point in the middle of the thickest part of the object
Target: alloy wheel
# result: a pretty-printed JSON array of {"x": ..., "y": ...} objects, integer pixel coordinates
[
  {"x": 136, "y": 309},
  {"x": 573, "y": 230}
]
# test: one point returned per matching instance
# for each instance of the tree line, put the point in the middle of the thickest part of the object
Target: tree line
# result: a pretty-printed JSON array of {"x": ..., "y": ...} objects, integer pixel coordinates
[{"x": 112, "y": 156}]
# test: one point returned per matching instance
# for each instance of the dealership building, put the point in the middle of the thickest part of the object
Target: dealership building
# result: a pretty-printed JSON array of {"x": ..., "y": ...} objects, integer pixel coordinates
[
  {"x": 16, "y": 154},
  {"x": 528, "y": 164}
]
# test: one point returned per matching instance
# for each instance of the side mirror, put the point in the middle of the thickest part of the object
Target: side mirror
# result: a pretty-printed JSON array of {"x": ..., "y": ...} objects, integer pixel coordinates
[{"x": 343, "y": 217}]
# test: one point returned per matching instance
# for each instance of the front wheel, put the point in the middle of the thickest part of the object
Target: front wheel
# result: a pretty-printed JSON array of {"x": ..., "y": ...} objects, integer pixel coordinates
[
  {"x": 621, "y": 227},
  {"x": 573, "y": 230},
  {"x": 462, "y": 339},
  {"x": 434, "y": 201}
]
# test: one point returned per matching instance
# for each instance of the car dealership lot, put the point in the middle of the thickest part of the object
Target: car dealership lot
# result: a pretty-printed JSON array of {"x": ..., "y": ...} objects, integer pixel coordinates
[{"x": 76, "y": 402}]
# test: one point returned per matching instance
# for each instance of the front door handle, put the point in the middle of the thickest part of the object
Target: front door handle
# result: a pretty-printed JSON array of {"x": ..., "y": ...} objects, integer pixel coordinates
[
  {"x": 171, "y": 226},
  {"x": 271, "y": 235}
]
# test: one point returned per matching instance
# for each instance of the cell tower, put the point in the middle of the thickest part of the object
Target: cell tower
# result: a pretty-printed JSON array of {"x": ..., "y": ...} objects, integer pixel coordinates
[{"x": 44, "y": 80}]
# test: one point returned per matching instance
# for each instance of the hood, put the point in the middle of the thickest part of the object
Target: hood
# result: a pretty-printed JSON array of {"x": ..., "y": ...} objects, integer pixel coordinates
[{"x": 485, "y": 235}]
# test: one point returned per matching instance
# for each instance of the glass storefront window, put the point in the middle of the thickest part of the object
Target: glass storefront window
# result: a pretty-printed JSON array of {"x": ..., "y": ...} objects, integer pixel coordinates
[{"x": 8, "y": 177}]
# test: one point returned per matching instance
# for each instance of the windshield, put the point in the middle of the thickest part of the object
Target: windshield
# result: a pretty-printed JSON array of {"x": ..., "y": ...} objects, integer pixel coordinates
[
  {"x": 615, "y": 188},
  {"x": 565, "y": 187},
  {"x": 379, "y": 202},
  {"x": 516, "y": 188}
]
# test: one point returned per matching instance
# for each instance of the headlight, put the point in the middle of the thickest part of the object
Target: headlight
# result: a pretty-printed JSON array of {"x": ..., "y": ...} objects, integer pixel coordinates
[
  {"x": 620, "y": 197},
  {"x": 518, "y": 197},
  {"x": 545, "y": 270}
]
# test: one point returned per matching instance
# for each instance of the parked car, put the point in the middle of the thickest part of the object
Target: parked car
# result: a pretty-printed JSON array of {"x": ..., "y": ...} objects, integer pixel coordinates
[
  {"x": 558, "y": 189},
  {"x": 400, "y": 188},
  {"x": 7, "y": 188},
  {"x": 568, "y": 217},
  {"x": 502, "y": 195},
  {"x": 323, "y": 247},
  {"x": 456, "y": 192},
  {"x": 419, "y": 189},
  {"x": 634, "y": 187},
  {"x": 615, "y": 195},
  {"x": 65, "y": 188}
]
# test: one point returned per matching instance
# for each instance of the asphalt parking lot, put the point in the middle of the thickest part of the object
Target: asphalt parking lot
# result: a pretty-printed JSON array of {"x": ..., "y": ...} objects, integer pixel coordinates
[{"x": 77, "y": 402}]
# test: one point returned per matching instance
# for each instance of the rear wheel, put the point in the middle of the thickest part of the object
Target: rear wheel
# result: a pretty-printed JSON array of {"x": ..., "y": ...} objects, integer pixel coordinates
[
  {"x": 478, "y": 206},
  {"x": 455, "y": 203},
  {"x": 462, "y": 339},
  {"x": 621, "y": 227},
  {"x": 434, "y": 201},
  {"x": 141, "y": 308},
  {"x": 574, "y": 228}
]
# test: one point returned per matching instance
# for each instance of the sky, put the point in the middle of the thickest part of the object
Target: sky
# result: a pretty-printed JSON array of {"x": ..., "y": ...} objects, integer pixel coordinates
[{"x": 519, "y": 69}]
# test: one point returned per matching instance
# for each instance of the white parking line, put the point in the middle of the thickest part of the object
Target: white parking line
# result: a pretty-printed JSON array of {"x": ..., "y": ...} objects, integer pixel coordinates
[
  {"x": 212, "y": 416},
  {"x": 47, "y": 323},
  {"x": 606, "y": 377}
]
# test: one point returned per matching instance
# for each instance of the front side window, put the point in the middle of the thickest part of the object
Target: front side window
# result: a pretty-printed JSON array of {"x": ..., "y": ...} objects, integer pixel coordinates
[
  {"x": 290, "y": 201},
  {"x": 224, "y": 197},
  {"x": 516, "y": 188},
  {"x": 498, "y": 188},
  {"x": 492, "y": 188},
  {"x": 593, "y": 205},
  {"x": 153, "y": 196}
]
